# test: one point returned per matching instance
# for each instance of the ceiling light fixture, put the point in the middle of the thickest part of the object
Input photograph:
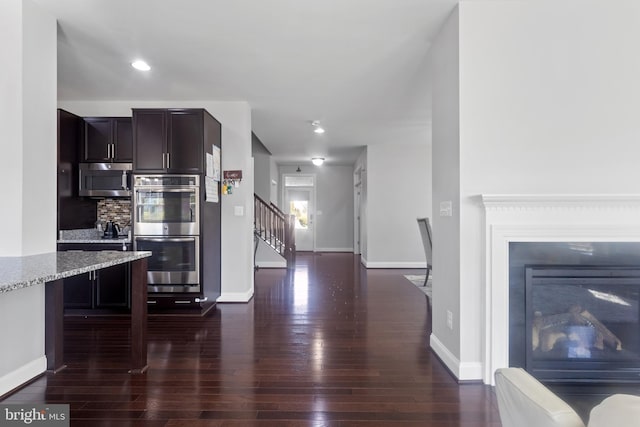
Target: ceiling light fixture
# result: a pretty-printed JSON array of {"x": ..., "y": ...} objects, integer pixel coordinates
[
  {"x": 316, "y": 125},
  {"x": 141, "y": 65},
  {"x": 317, "y": 161}
]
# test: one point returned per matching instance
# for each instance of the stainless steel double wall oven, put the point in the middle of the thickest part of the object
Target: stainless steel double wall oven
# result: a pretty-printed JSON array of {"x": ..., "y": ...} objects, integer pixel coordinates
[{"x": 166, "y": 211}]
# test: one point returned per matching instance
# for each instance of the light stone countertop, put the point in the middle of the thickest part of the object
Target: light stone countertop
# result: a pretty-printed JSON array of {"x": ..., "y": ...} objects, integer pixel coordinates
[
  {"x": 96, "y": 241},
  {"x": 89, "y": 235},
  {"x": 25, "y": 271}
]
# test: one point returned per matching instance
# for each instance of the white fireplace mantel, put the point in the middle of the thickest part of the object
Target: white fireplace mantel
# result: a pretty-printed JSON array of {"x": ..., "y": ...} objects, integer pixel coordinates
[{"x": 541, "y": 218}]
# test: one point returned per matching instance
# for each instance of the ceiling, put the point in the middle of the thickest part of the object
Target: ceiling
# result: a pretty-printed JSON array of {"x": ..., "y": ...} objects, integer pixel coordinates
[{"x": 357, "y": 66}]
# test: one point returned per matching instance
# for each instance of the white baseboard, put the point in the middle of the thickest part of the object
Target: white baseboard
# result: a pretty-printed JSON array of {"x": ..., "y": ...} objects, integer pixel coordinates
[
  {"x": 334, "y": 249},
  {"x": 22, "y": 375},
  {"x": 448, "y": 358},
  {"x": 236, "y": 296},
  {"x": 271, "y": 264},
  {"x": 363, "y": 260},
  {"x": 391, "y": 264},
  {"x": 465, "y": 371},
  {"x": 470, "y": 371}
]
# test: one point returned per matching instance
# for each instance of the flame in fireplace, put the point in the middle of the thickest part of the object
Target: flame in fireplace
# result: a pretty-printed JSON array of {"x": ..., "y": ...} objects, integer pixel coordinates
[{"x": 609, "y": 298}]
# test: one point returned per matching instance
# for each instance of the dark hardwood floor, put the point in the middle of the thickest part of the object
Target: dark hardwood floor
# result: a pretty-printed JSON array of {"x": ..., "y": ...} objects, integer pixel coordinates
[{"x": 330, "y": 344}]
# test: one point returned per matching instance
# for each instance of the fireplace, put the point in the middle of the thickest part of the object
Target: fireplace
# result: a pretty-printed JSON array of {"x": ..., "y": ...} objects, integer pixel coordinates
[
  {"x": 582, "y": 323},
  {"x": 573, "y": 230},
  {"x": 574, "y": 311}
]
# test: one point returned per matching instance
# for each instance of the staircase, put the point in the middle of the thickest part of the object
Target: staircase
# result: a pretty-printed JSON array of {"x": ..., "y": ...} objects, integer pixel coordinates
[{"x": 275, "y": 228}]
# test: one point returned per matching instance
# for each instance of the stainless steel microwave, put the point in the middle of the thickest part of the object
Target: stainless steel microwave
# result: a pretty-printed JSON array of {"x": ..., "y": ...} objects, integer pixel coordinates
[{"x": 105, "y": 179}]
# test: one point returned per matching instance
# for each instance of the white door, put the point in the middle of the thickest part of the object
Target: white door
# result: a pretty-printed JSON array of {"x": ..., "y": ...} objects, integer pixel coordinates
[{"x": 299, "y": 202}]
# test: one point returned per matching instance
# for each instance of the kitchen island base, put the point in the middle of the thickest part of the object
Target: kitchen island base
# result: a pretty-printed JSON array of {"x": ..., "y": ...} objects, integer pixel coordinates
[
  {"x": 54, "y": 331},
  {"x": 33, "y": 339}
]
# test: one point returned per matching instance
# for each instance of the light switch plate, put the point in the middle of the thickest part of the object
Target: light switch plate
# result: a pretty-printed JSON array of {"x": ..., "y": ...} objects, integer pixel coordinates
[
  {"x": 446, "y": 208},
  {"x": 238, "y": 210}
]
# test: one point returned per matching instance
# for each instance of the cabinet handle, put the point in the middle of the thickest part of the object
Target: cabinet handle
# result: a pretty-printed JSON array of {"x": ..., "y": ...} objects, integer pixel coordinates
[
  {"x": 168, "y": 160},
  {"x": 164, "y": 161},
  {"x": 108, "y": 151},
  {"x": 113, "y": 151}
]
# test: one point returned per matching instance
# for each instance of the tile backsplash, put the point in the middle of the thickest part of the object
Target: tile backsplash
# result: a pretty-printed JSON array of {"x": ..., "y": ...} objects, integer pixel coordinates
[{"x": 116, "y": 210}]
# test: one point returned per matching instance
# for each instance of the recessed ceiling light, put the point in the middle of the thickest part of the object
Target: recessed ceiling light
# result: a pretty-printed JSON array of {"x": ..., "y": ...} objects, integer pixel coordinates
[
  {"x": 316, "y": 125},
  {"x": 317, "y": 161},
  {"x": 140, "y": 65}
]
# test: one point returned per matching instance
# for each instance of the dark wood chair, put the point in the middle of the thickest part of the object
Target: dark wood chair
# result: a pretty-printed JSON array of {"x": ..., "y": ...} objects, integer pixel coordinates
[{"x": 427, "y": 242}]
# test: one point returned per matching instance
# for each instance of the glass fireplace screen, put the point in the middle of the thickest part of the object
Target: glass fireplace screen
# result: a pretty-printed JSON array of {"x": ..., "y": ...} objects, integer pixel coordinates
[{"x": 583, "y": 322}]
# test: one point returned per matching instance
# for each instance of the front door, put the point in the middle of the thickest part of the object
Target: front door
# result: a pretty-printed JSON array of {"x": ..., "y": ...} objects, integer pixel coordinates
[{"x": 299, "y": 202}]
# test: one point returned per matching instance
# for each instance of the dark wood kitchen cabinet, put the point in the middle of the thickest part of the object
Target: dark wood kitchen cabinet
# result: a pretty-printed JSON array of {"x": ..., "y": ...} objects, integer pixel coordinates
[
  {"x": 107, "y": 139},
  {"x": 107, "y": 289},
  {"x": 78, "y": 291},
  {"x": 73, "y": 211},
  {"x": 170, "y": 140}
]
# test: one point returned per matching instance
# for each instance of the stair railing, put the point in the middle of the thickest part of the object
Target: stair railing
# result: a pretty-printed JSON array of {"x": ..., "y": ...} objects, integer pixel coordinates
[
  {"x": 276, "y": 208},
  {"x": 275, "y": 228}
]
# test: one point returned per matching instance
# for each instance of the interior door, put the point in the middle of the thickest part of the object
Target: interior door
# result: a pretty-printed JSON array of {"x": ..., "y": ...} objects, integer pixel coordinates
[{"x": 299, "y": 202}]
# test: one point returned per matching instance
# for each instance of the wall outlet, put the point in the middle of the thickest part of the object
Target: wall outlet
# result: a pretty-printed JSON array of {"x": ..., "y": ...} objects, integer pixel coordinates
[{"x": 449, "y": 319}]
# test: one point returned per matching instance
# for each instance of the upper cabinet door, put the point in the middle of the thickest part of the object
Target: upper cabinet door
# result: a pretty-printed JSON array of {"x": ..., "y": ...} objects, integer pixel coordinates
[
  {"x": 123, "y": 140},
  {"x": 97, "y": 139},
  {"x": 149, "y": 140},
  {"x": 107, "y": 139},
  {"x": 184, "y": 149}
]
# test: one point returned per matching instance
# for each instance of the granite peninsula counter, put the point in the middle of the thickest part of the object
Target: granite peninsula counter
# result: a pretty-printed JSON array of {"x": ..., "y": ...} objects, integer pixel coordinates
[
  {"x": 21, "y": 272},
  {"x": 31, "y": 305}
]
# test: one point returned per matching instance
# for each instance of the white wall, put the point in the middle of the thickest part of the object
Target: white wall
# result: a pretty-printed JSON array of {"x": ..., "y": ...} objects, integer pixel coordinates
[
  {"x": 28, "y": 168},
  {"x": 11, "y": 129},
  {"x": 398, "y": 192},
  {"x": 361, "y": 165},
  {"x": 22, "y": 356},
  {"x": 274, "y": 180},
  {"x": 444, "y": 69},
  {"x": 334, "y": 210},
  {"x": 40, "y": 90},
  {"x": 28, "y": 130},
  {"x": 261, "y": 170},
  {"x": 237, "y": 231},
  {"x": 265, "y": 170},
  {"x": 267, "y": 257},
  {"x": 334, "y": 205},
  {"x": 549, "y": 100}
]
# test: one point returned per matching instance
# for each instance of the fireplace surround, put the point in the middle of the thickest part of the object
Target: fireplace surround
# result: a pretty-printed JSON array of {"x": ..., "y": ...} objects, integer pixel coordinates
[{"x": 561, "y": 219}]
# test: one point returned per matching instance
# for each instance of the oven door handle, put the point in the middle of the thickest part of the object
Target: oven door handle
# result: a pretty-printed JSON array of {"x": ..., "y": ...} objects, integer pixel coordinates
[{"x": 169, "y": 239}]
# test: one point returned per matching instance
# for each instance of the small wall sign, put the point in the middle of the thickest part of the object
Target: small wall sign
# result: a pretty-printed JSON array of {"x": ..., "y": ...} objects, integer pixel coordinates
[{"x": 235, "y": 175}]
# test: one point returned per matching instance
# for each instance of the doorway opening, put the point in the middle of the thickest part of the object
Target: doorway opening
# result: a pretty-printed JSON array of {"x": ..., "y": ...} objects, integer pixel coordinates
[{"x": 299, "y": 200}]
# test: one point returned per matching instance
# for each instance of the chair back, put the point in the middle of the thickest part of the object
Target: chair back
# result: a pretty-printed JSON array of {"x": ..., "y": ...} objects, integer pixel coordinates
[
  {"x": 523, "y": 401},
  {"x": 427, "y": 240},
  {"x": 619, "y": 410}
]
